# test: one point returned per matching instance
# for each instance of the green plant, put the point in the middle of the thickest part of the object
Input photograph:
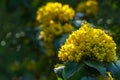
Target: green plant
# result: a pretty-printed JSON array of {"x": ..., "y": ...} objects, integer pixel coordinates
[{"x": 89, "y": 54}]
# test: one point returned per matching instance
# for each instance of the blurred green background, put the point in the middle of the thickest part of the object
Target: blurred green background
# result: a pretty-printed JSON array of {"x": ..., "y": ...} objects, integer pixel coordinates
[{"x": 21, "y": 52}]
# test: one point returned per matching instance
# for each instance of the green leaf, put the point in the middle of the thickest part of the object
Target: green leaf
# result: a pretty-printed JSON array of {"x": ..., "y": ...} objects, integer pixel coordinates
[
  {"x": 98, "y": 66},
  {"x": 59, "y": 71},
  {"x": 29, "y": 76},
  {"x": 73, "y": 71},
  {"x": 114, "y": 68},
  {"x": 63, "y": 38},
  {"x": 56, "y": 45},
  {"x": 88, "y": 78}
]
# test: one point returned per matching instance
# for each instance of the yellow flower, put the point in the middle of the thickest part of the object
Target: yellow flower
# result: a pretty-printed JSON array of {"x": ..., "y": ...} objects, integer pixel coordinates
[
  {"x": 66, "y": 13},
  {"x": 90, "y": 7},
  {"x": 88, "y": 43},
  {"x": 56, "y": 29},
  {"x": 68, "y": 28},
  {"x": 46, "y": 36},
  {"x": 80, "y": 7},
  {"x": 52, "y": 16},
  {"x": 49, "y": 32},
  {"x": 54, "y": 11}
]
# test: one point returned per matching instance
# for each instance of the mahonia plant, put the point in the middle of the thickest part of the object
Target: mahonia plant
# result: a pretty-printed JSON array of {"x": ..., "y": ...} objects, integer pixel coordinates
[
  {"x": 88, "y": 54},
  {"x": 54, "y": 11},
  {"x": 54, "y": 19},
  {"x": 90, "y": 7},
  {"x": 88, "y": 43}
]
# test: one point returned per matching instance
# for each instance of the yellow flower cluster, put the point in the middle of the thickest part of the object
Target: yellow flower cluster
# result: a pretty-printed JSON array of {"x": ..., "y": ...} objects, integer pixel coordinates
[
  {"x": 101, "y": 77},
  {"x": 55, "y": 12},
  {"x": 53, "y": 30},
  {"x": 54, "y": 18},
  {"x": 90, "y": 7},
  {"x": 50, "y": 32},
  {"x": 88, "y": 43}
]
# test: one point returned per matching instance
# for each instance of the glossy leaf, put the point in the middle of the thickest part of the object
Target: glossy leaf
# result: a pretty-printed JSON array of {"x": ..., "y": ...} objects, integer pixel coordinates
[
  {"x": 59, "y": 71},
  {"x": 73, "y": 71},
  {"x": 114, "y": 68},
  {"x": 88, "y": 78},
  {"x": 98, "y": 66}
]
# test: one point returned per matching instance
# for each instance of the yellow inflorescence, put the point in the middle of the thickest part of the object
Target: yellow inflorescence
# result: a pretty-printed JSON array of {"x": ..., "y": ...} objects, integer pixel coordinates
[
  {"x": 90, "y": 7},
  {"x": 88, "y": 43},
  {"x": 54, "y": 19},
  {"x": 52, "y": 16},
  {"x": 101, "y": 77},
  {"x": 56, "y": 12},
  {"x": 50, "y": 32}
]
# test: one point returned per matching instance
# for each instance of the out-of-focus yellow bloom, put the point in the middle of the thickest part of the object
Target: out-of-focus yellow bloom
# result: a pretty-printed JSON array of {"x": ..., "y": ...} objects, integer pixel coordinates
[
  {"x": 54, "y": 11},
  {"x": 101, "y": 77},
  {"x": 68, "y": 28},
  {"x": 49, "y": 33},
  {"x": 31, "y": 65},
  {"x": 46, "y": 36},
  {"x": 88, "y": 43},
  {"x": 81, "y": 7},
  {"x": 52, "y": 17},
  {"x": 90, "y": 7},
  {"x": 56, "y": 29},
  {"x": 49, "y": 48}
]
